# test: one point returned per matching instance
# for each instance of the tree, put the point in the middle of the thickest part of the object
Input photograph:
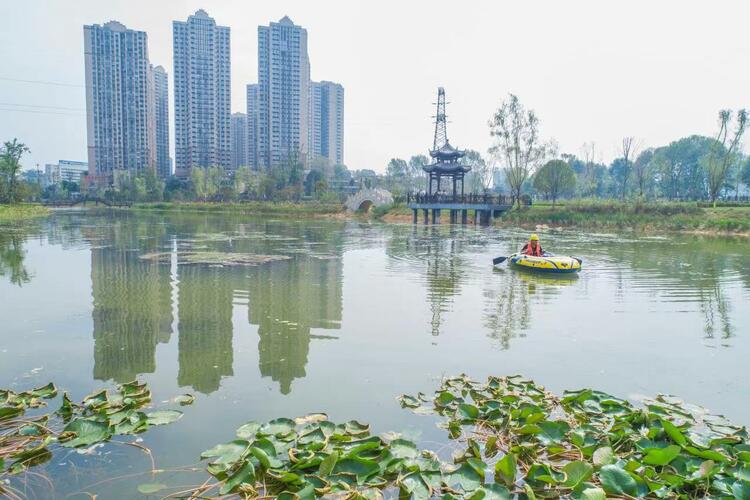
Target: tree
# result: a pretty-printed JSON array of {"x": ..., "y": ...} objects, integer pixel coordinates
[
  {"x": 242, "y": 181},
  {"x": 588, "y": 183},
  {"x": 723, "y": 150},
  {"x": 341, "y": 173},
  {"x": 737, "y": 164},
  {"x": 396, "y": 173},
  {"x": 198, "y": 181},
  {"x": 311, "y": 181},
  {"x": 642, "y": 170},
  {"x": 10, "y": 167},
  {"x": 622, "y": 167},
  {"x": 516, "y": 134},
  {"x": 481, "y": 174},
  {"x": 745, "y": 175},
  {"x": 678, "y": 169},
  {"x": 213, "y": 178},
  {"x": 554, "y": 179},
  {"x": 620, "y": 172},
  {"x": 415, "y": 173},
  {"x": 154, "y": 185}
]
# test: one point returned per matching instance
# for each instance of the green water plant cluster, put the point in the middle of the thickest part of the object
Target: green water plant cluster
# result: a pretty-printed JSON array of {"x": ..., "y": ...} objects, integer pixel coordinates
[
  {"x": 588, "y": 444},
  {"x": 513, "y": 439},
  {"x": 28, "y": 435},
  {"x": 311, "y": 457}
]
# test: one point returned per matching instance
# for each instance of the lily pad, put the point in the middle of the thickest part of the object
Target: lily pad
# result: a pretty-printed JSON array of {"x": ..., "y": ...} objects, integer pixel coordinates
[
  {"x": 163, "y": 417},
  {"x": 86, "y": 432}
]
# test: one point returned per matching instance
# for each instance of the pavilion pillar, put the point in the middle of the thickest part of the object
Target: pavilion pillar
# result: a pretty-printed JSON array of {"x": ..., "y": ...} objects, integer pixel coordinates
[
  {"x": 414, "y": 216},
  {"x": 464, "y": 216},
  {"x": 426, "y": 216},
  {"x": 484, "y": 217},
  {"x": 436, "y": 215}
]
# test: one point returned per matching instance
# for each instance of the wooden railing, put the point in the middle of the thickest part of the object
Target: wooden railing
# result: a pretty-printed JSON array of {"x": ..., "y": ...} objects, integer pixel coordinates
[{"x": 464, "y": 199}]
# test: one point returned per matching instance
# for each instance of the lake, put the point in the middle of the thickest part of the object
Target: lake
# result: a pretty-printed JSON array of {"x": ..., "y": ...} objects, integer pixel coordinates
[{"x": 342, "y": 317}]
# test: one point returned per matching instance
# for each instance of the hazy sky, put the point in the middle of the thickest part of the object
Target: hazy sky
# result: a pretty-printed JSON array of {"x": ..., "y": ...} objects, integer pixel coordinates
[{"x": 592, "y": 70}]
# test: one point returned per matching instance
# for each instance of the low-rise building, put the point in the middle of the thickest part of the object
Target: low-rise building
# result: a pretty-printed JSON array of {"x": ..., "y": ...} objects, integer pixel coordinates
[{"x": 65, "y": 170}]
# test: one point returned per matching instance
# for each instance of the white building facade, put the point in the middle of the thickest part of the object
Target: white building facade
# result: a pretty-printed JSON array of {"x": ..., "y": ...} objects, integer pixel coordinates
[
  {"x": 65, "y": 170},
  {"x": 239, "y": 140},
  {"x": 252, "y": 126},
  {"x": 161, "y": 97},
  {"x": 283, "y": 93},
  {"x": 202, "y": 94},
  {"x": 120, "y": 119},
  {"x": 326, "y": 129}
]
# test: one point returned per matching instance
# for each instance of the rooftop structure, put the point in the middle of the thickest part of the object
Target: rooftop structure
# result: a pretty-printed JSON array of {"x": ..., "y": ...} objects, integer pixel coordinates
[{"x": 447, "y": 158}]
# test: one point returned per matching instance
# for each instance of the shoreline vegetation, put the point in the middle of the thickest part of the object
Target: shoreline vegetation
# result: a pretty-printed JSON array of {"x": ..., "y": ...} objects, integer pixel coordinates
[
  {"x": 680, "y": 217},
  {"x": 309, "y": 209},
  {"x": 22, "y": 212}
]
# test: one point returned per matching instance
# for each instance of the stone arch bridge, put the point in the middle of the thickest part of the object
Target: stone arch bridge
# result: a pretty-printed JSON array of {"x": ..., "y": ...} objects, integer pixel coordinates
[{"x": 367, "y": 198}]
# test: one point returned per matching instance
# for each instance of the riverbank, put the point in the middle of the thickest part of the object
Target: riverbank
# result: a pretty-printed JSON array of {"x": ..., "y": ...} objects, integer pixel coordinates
[
  {"x": 643, "y": 217},
  {"x": 13, "y": 213},
  {"x": 333, "y": 210},
  {"x": 602, "y": 214}
]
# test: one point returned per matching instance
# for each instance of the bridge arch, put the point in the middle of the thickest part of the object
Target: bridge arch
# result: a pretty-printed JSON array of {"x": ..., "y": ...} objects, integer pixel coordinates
[{"x": 365, "y": 199}]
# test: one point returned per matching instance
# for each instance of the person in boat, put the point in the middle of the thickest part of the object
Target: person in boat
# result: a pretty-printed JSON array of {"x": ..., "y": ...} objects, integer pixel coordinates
[{"x": 533, "y": 247}]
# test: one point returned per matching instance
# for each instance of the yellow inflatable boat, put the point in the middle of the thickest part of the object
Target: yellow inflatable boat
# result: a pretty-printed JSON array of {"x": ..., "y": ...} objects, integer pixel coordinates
[{"x": 548, "y": 263}]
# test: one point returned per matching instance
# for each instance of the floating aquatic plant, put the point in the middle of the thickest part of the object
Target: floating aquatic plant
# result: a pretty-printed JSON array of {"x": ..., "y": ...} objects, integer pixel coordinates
[
  {"x": 30, "y": 440},
  {"x": 213, "y": 258},
  {"x": 588, "y": 444},
  {"x": 514, "y": 440}
]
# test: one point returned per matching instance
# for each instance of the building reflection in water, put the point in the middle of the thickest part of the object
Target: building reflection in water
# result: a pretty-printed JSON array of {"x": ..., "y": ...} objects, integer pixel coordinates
[
  {"x": 287, "y": 300},
  {"x": 132, "y": 310},
  {"x": 205, "y": 326},
  {"x": 136, "y": 302}
]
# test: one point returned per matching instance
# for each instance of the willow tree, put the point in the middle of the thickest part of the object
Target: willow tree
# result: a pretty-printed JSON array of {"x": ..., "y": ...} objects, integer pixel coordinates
[
  {"x": 723, "y": 150},
  {"x": 516, "y": 143}
]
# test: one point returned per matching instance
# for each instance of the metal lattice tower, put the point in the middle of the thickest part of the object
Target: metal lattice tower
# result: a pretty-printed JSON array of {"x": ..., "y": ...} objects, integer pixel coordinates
[{"x": 441, "y": 134}]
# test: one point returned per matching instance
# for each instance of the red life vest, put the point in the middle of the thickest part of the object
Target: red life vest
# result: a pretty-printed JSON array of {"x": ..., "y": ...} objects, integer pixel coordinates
[{"x": 536, "y": 250}]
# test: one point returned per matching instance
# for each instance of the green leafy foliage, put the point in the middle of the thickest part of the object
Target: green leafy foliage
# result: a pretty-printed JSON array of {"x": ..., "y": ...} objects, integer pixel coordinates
[
  {"x": 311, "y": 457},
  {"x": 26, "y": 441},
  {"x": 590, "y": 445}
]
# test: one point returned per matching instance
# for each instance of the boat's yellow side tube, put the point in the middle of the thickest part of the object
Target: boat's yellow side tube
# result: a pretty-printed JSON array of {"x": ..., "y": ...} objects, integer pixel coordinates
[{"x": 545, "y": 264}]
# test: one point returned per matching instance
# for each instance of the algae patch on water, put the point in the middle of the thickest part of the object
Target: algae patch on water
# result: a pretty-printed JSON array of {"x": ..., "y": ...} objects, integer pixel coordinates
[{"x": 213, "y": 258}]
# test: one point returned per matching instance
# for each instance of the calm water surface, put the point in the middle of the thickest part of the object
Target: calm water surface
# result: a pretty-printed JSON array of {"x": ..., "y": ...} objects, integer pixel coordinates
[{"x": 355, "y": 315}]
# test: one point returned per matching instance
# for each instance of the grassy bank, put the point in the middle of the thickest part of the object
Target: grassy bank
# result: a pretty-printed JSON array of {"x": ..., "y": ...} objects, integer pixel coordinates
[
  {"x": 396, "y": 212},
  {"x": 606, "y": 214},
  {"x": 12, "y": 213},
  {"x": 590, "y": 214},
  {"x": 249, "y": 208}
]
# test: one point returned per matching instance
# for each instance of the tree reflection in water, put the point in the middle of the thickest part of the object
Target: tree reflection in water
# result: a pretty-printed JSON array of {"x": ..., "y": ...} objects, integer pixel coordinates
[
  {"x": 12, "y": 255},
  {"x": 508, "y": 302}
]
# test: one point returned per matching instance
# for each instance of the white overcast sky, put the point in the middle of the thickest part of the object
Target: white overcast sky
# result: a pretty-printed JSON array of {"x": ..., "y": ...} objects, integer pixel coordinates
[{"x": 592, "y": 70}]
